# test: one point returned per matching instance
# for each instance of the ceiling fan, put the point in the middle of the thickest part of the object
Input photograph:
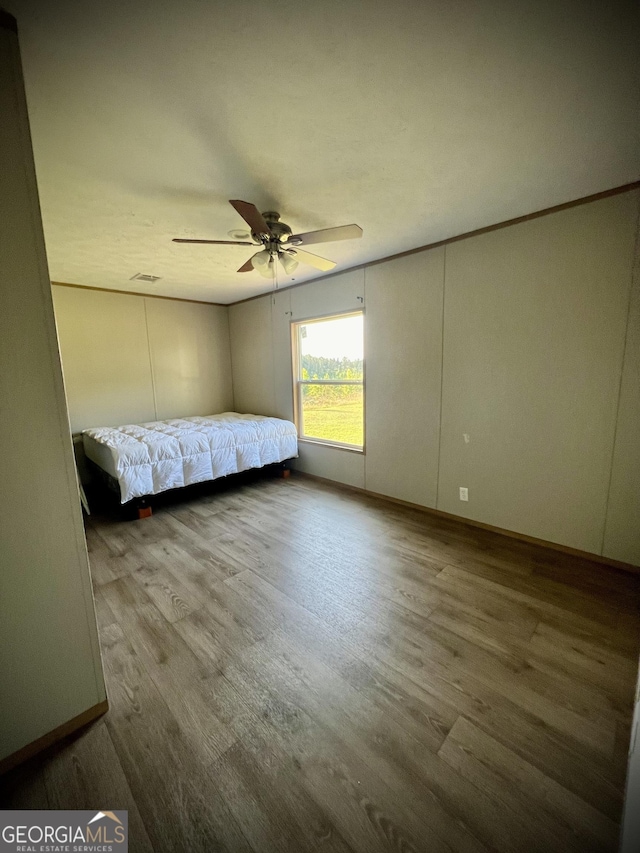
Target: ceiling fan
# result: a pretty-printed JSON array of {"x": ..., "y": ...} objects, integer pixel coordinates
[{"x": 277, "y": 241}]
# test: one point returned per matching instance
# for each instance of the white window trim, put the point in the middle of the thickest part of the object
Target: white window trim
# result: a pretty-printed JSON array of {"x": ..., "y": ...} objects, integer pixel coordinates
[{"x": 298, "y": 383}]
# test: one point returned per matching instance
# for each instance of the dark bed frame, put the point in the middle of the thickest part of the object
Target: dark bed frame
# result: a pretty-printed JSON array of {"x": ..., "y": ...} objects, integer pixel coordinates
[{"x": 142, "y": 507}]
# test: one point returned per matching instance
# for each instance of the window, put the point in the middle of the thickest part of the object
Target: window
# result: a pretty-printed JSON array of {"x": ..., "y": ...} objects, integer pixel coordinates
[{"x": 328, "y": 376}]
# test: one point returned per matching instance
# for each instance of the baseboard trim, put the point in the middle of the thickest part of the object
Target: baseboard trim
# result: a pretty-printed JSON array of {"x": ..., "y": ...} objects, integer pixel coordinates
[
  {"x": 511, "y": 534},
  {"x": 54, "y": 736}
]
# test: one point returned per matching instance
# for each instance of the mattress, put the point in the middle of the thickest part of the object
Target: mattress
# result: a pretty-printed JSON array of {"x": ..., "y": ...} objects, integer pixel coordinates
[{"x": 150, "y": 458}]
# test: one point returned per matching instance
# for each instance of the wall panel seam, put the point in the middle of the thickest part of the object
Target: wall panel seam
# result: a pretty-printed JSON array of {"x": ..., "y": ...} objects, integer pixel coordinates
[
  {"x": 272, "y": 300},
  {"x": 635, "y": 262},
  {"x": 233, "y": 381},
  {"x": 365, "y": 348},
  {"x": 153, "y": 378},
  {"x": 444, "y": 284}
]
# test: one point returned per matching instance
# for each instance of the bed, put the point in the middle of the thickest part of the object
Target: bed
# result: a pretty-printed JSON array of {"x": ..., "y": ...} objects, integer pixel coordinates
[{"x": 146, "y": 459}]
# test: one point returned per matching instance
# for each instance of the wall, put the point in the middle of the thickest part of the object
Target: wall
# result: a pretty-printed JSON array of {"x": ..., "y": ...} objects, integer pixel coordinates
[
  {"x": 404, "y": 381},
  {"x": 130, "y": 359},
  {"x": 50, "y": 668},
  {"x": 252, "y": 358},
  {"x": 507, "y": 362},
  {"x": 535, "y": 319}
]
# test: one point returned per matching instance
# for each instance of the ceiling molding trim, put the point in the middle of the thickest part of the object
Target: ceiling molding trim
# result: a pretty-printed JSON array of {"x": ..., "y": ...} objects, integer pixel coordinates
[
  {"x": 634, "y": 185},
  {"x": 137, "y": 293}
]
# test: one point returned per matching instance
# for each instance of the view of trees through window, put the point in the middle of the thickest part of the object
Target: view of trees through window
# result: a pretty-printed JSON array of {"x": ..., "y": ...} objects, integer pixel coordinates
[{"x": 330, "y": 374}]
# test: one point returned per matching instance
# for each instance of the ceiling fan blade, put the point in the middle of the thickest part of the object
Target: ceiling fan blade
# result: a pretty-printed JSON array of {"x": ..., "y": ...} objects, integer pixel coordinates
[
  {"x": 214, "y": 242},
  {"x": 248, "y": 266},
  {"x": 251, "y": 215},
  {"x": 313, "y": 260},
  {"x": 327, "y": 235}
]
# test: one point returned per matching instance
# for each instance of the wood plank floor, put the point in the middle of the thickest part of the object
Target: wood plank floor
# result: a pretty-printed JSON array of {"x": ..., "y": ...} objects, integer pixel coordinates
[{"x": 295, "y": 667}]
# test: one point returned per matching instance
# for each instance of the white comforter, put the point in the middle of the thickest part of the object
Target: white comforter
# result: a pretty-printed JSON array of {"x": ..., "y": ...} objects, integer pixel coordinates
[{"x": 151, "y": 458}]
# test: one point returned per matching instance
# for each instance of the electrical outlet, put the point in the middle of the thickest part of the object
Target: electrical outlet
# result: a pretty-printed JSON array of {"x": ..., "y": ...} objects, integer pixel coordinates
[{"x": 464, "y": 494}]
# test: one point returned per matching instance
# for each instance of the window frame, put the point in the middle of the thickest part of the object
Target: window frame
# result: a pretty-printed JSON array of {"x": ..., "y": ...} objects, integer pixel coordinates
[{"x": 299, "y": 383}]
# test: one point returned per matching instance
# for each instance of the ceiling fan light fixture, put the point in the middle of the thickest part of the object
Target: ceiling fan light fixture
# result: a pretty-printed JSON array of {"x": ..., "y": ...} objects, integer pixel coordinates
[
  {"x": 269, "y": 271},
  {"x": 289, "y": 263},
  {"x": 263, "y": 263},
  {"x": 260, "y": 259}
]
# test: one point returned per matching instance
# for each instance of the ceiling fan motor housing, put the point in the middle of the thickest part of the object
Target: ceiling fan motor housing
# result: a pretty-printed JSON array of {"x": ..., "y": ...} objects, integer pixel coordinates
[{"x": 279, "y": 231}]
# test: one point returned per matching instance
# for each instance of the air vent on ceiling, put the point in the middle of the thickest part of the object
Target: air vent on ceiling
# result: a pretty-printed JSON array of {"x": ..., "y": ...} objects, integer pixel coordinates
[{"x": 141, "y": 276}]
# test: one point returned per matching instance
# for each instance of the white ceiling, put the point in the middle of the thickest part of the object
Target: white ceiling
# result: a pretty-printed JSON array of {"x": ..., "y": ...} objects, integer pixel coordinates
[{"x": 417, "y": 119}]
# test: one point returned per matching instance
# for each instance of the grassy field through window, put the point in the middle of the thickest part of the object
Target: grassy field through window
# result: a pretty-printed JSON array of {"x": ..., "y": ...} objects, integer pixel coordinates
[{"x": 330, "y": 417}]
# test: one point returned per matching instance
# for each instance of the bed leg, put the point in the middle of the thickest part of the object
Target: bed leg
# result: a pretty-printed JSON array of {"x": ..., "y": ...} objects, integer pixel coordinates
[
  {"x": 143, "y": 509},
  {"x": 285, "y": 472}
]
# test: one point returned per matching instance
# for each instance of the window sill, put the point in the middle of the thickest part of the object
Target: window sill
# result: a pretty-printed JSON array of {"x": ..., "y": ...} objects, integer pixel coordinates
[{"x": 330, "y": 444}]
